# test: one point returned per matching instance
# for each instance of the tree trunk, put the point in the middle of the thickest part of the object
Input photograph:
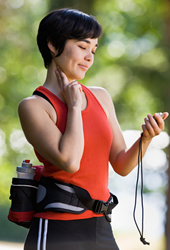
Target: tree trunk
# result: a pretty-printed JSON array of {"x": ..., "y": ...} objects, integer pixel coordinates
[{"x": 167, "y": 224}]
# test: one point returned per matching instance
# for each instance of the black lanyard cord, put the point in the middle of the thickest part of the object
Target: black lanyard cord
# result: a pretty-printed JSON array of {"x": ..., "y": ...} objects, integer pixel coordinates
[{"x": 140, "y": 170}]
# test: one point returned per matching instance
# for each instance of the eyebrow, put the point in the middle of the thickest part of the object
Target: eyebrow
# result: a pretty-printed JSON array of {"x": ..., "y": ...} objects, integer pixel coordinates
[{"x": 87, "y": 41}]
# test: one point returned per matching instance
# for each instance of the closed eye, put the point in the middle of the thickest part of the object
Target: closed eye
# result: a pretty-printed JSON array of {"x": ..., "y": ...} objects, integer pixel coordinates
[
  {"x": 82, "y": 47},
  {"x": 85, "y": 49}
]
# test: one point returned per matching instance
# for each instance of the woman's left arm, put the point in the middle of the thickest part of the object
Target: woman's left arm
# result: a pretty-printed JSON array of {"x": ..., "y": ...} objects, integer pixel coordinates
[
  {"x": 123, "y": 159},
  {"x": 127, "y": 158}
]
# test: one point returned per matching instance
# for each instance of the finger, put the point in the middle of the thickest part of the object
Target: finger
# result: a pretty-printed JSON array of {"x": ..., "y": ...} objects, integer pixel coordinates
[
  {"x": 76, "y": 86},
  {"x": 152, "y": 120},
  {"x": 159, "y": 120},
  {"x": 59, "y": 82},
  {"x": 74, "y": 83},
  {"x": 152, "y": 126},
  {"x": 62, "y": 77},
  {"x": 80, "y": 88},
  {"x": 144, "y": 127},
  {"x": 145, "y": 131},
  {"x": 62, "y": 81},
  {"x": 166, "y": 114}
]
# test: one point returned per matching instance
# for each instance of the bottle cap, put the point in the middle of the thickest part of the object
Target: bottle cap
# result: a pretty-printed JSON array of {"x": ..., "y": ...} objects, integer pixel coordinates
[
  {"x": 26, "y": 170},
  {"x": 27, "y": 161},
  {"x": 26, "y": 164}
]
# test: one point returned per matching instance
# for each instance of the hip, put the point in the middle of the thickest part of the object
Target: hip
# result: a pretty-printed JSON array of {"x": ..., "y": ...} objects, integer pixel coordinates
[{"x": 85, "y": 234}]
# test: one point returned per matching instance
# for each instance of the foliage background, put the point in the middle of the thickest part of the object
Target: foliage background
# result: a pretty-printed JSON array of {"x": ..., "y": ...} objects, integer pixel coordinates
[{"x": 132, "y": 63}]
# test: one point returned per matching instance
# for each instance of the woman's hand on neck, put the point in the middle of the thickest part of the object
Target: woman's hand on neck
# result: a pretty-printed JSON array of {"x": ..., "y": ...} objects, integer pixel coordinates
[{"x": 51, "y": 82}]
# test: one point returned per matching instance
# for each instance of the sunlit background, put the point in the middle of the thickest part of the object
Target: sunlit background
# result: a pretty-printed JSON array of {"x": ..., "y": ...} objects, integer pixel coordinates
[{"x": 133, "y": 64}]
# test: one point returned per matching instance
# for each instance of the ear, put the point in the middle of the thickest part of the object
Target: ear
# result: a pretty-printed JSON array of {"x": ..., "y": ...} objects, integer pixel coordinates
[{"x": 52, "y": 48}]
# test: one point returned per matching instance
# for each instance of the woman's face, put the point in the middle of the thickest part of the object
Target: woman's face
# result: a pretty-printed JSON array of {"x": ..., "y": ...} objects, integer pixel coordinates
[{"x": 77, "y": 57}]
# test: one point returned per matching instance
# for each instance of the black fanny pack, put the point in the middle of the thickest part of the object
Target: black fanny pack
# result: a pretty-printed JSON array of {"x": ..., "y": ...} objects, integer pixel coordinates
[
  {"x": 58, "y": 196},
  {"x": 29, "y": 197}
]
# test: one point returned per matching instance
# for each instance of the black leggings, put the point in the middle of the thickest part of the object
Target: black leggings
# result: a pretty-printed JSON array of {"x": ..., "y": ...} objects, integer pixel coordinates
[{"x": 88, "y": 234}]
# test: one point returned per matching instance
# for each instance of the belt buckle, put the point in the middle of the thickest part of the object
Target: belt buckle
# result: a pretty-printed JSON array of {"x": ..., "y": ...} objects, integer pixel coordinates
[{"x": 101, "y": 207}]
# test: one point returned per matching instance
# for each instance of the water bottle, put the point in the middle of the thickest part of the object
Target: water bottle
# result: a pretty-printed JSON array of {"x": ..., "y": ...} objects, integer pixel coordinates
[
  {"x": 26, "y": 171},
  {"x": 23, "y": 195}
]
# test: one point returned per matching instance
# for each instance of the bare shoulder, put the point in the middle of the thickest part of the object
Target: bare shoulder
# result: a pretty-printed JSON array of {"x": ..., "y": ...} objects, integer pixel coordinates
[
  {"x": 99, "y": 91},
  {"x": 27, "y": 103},
  {"x": 104, "y": 98},
  {"x": 35, "y": 106}
]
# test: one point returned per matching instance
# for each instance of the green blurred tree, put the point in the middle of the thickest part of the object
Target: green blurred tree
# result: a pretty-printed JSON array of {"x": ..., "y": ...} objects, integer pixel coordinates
[
  {"x": 132, "y": 63},
  {"x": 85, "y": 6},
  {"x": 21, "y": 70}
]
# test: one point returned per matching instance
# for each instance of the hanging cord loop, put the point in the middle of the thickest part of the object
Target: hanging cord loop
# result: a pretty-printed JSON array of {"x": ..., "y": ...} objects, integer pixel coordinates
[{"x": 140, "y": 170}]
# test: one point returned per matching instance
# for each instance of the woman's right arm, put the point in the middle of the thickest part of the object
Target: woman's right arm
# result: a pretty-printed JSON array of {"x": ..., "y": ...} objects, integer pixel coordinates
[{"x": 62, "y": 150}]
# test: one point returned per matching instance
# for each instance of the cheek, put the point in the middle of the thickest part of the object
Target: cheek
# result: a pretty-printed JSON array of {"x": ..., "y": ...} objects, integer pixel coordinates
[
  {"x": 69, "y": 59},
  {"x": 70, "y": 53}
]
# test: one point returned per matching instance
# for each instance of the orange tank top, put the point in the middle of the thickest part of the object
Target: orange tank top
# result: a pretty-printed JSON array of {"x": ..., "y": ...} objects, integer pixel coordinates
[{"x": 93, "y": 172}]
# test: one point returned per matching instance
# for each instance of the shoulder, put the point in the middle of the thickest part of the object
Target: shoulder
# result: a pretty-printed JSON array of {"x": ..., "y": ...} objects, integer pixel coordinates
[
  {"x": 35, "y": 106},
  {"x": 28, "y": 104},
  {"x": 101, "y": 93},
  {"x": 104, "y": 98},
  {"x": 98, "y": 90},
  {"x": 28, "y": 108}
]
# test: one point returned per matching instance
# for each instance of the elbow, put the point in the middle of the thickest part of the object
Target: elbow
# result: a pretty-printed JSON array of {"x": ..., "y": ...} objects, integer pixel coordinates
[
  {"x": 71, "y": 166},
  {"x": 68, "y": 165},
  {"x": 119, "y": 166},
  {"x": 121, "y": 172},
  {"x": 72, "y": 169}
]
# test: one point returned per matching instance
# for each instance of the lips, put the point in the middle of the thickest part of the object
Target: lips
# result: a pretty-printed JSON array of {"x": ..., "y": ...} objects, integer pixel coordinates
[{"x": 84, "y": 67}]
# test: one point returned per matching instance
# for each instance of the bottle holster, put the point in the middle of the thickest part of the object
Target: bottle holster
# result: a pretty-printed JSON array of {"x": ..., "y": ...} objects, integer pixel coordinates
[
  {"x": 23, "y": 194},
  {"x": 33, "y": 196}
]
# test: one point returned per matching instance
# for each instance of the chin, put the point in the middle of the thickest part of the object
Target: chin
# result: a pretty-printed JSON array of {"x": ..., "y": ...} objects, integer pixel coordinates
[
  {"x": 77, "y": 77},
  {"x": 80, "y": 78}
]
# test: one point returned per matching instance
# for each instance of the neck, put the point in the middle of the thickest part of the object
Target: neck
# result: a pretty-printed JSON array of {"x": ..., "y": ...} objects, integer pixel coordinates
[{"x": 51, "y": 81}]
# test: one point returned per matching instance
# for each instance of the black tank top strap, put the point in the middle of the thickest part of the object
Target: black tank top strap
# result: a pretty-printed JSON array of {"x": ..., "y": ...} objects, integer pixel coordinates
[{"x": 36, "y": 92}]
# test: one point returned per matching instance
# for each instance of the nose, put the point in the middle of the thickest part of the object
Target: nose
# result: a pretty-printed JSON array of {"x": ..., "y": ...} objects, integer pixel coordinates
[{"x": 89, "y": 57}]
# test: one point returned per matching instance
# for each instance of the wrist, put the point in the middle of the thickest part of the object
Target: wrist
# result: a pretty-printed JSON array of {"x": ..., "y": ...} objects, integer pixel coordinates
[
  {"x": 74, "y": 108},
  {"x": 146, "y": 140}
]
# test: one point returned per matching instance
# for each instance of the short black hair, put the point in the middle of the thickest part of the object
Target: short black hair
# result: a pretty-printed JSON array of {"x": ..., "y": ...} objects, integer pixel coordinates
[{"x": 61, "y": 25}]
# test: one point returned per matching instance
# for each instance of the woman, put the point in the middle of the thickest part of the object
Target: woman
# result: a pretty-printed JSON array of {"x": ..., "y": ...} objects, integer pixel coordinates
[{"x": 75, "y": 133}]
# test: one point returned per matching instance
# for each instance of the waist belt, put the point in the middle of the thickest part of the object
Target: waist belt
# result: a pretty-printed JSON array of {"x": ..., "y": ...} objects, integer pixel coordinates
[{"x": 58, "y": 196}]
